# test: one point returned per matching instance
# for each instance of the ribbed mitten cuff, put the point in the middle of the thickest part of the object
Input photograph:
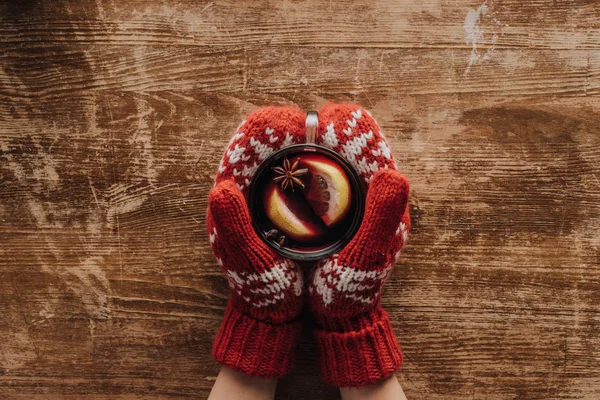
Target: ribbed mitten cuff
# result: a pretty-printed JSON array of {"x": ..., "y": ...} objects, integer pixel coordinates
[
  {"x": 360, "y": 357},
  {"x": 256, "y": 348}
]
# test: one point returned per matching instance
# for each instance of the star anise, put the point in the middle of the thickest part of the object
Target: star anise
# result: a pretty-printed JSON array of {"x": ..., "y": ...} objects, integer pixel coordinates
[{"x": 288, "y": 174}]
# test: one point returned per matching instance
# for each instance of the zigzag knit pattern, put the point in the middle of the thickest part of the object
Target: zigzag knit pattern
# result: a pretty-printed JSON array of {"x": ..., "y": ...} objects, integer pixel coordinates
[
  {"x": 354, "y": 335},
  {"x": 262, "y": 133},
  {"x": 260, "y": 330},
  {"x": 351, "y": 130}
]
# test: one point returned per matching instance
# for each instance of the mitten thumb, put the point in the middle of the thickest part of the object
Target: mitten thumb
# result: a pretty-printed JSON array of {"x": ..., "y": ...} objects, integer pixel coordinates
[
  {"x": 386, "y": 203},
  {"x": 233, "y": 226}
]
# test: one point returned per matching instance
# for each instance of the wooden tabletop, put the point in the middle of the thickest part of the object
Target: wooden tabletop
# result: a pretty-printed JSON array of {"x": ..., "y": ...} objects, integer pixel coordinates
[{"x": 114, "y": 116}]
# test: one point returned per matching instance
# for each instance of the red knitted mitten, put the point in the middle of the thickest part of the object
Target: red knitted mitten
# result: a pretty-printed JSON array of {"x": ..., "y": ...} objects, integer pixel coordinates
[
  {"x": 356, "y": 342},
  {"x": 260, "y": 329}
]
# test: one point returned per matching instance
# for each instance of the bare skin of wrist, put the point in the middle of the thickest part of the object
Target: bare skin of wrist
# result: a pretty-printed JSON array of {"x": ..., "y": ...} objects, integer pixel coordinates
[
  {"x": 388, "y": 389},
  {"x": 233, "y": 385}
]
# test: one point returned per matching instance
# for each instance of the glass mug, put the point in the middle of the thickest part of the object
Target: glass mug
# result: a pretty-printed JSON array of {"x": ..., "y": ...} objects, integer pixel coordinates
[{"x": 306, "y": 201}]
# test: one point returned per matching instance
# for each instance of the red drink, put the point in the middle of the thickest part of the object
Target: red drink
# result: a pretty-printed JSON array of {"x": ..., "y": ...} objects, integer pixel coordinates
[{"x": 306, "y": 202}]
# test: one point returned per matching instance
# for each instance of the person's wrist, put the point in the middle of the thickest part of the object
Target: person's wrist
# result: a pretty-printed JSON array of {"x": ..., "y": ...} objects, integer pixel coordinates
[
  {"x": 386, "y": 389},
  {"x": 231, "y": 384}
]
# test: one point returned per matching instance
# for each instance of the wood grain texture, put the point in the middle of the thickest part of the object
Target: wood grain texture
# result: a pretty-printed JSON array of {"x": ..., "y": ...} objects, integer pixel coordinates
[{"x": 113, "y": 118}]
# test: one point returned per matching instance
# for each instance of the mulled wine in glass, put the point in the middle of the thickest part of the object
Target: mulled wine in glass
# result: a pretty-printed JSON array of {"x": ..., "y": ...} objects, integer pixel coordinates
[{"x": 306, "y": 201}]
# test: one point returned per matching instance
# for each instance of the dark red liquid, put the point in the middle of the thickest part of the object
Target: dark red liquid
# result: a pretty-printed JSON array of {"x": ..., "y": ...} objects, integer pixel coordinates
[{"x": 312, "y": 205}]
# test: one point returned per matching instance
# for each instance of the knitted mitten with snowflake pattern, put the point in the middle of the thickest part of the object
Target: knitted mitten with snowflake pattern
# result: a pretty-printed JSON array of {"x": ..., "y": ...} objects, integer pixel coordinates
[
  {"x": 354, "y": 336},
  {"x": 260, "y": 330}
]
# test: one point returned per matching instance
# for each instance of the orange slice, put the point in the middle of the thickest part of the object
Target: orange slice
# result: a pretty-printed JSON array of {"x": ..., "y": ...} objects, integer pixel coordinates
[{"x": 291, "y": 215}]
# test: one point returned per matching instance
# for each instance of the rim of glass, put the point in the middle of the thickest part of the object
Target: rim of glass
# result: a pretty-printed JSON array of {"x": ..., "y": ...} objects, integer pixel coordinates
[{"x": 357, "y": 188}]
